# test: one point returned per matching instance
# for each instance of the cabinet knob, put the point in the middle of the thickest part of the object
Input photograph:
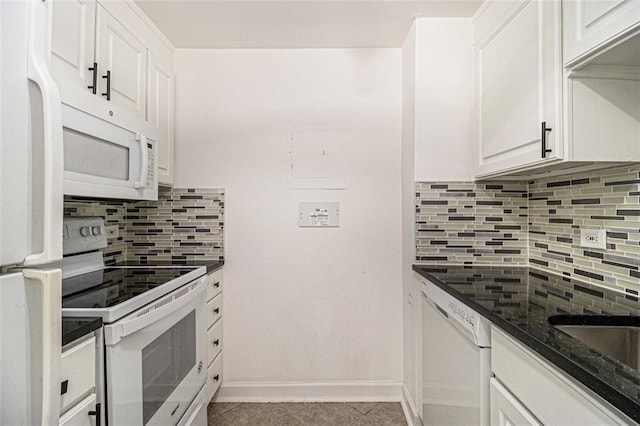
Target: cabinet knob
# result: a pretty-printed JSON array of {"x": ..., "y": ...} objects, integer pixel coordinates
[
  {"x": 216, "y": 377},
  {"x": 216, "y": 342},
  {"x": 216, "y": 311},
  {"x": 216, "y": 284}
]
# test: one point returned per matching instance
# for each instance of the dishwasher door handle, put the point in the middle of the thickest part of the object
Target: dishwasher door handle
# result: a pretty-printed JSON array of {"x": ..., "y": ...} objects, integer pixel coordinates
[{"x": 435, "y": 305}]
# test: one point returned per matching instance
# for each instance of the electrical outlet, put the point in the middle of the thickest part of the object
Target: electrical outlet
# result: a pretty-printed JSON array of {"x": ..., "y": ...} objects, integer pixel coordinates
[
  {"x": 593, "y": 238},
  {"x": 112, "y": 232}
]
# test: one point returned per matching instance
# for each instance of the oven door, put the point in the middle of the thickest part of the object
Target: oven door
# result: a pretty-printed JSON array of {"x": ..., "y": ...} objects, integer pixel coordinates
[
  {"x": 155, "y": 359},
  {"x": 105, "y": 160}
]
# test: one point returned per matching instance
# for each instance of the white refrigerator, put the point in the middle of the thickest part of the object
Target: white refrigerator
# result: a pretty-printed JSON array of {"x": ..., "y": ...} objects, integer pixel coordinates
[{"x": 31, "y": 207}]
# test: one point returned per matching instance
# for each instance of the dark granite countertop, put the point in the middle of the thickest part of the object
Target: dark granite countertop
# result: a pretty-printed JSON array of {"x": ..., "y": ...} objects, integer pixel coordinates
[
  {"x": 520, "y": 299},
  {"x": 75, "y": 327},
  {"x": 212, "y": 265}
]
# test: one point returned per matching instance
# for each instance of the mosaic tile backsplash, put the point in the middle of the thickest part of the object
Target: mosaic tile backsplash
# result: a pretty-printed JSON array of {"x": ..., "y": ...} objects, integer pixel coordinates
[
  {"x": 608, "y": 199},
  {"x": 537, "y": 223},
  {"x": 465, "y": 222},
  {"x": 184, "y": 224}
]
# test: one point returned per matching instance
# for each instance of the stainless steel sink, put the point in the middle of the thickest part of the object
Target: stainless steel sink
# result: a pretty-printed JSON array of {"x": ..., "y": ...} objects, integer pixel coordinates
[
  {"x": 619, "y": 342},
  {"x": 615, "y": 336}
]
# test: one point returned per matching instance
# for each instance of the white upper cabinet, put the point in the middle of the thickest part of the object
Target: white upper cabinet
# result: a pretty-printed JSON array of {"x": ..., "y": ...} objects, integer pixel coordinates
[
  {"x": 93, "y": 57},
  {"x": 518, "y": 84},
  {"x": 72, "y": 44},
  {"x": 123, "y": 59},
  {"x": 160, "y": 105},
  {"x": 589, "y": 25}
]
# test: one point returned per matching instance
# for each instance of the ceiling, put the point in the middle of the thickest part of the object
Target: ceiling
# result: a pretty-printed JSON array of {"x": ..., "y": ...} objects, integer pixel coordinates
[{"x": 242, "y": 24}]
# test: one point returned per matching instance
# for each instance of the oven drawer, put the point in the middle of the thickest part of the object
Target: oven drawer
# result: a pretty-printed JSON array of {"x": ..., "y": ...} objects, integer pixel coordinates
[
  {"x": 215, "y": 284},
  {"x": 214, "y": 377},
  {"x": 214, "y": 310},
  {"x": 214, "y": 341},
  {"x": 77, "y": 372}
]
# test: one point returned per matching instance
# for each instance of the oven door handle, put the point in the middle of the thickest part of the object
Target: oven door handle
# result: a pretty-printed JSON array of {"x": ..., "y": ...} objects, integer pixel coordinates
[{"x": 159, "y": 309}]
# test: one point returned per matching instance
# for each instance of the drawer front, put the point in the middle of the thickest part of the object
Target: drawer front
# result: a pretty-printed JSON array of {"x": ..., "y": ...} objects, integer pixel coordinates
[
  {"x": 79, "y": 415},
  {"x": 524, "y": 375},
  {"x": 78, "y": 373},
  {"x": 214, "y": 341},
  {"x": 215, "y": 284},
  {"x": 214, "y": 377},
  {"x": 214, "y": 310}
]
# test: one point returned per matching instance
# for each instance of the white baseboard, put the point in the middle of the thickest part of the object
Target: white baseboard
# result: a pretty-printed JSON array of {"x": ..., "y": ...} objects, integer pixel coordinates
[
  {"x": 409, "y": 408},
  {"x": 317, "y": 392}
]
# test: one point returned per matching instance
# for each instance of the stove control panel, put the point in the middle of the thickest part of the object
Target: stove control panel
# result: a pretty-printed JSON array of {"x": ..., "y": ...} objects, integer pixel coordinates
[{"x": 82, "y": 234}]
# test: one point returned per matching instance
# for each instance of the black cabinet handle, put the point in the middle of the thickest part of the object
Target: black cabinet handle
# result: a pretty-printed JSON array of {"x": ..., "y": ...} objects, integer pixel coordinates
[
  {"x": 216, "y": 311},
  {"x": 108, "y": 78},
  {"x": 544, "y": 131},
  {"x": 216, "y": 377},
  {"x": 216, "y": 342},
  {"x": 216, "y": 285},
  {"x": 94, "y": 79},
  {"x": 96, "y": 413},
  {"x": 64, "y": 386}
]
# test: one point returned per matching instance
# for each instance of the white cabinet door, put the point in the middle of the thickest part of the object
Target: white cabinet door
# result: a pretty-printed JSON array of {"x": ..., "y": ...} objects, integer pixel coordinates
[
  {"x": 518, "y": 83},
  {"x": 160, "y": 114},
  {"x": 72, "y": 45},
  {"x": 589, "y": 24},
  {"x": 506, "y": 410},
  {"x": 123, "y": 61}
]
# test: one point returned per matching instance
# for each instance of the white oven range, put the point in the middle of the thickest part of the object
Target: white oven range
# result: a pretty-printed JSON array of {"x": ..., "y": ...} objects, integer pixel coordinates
[{"x": 152, "y": 348}]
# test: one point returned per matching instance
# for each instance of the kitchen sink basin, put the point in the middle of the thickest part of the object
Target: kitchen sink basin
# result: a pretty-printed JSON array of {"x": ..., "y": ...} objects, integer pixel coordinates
[{"x": 617, "y": 337}]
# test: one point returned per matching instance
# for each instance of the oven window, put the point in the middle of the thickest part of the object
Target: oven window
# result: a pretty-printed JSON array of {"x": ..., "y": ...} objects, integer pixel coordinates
[{"x": 165, "y": 362}]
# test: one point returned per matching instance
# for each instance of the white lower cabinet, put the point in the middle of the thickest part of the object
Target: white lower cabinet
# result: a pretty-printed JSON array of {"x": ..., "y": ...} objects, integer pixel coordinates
[
  {"x": 82, "y": 414},
  {"x": 214, "y": 335},
  {"x": 506, "y": 410},
  {"x": 528, "y": 390},
  {"x": 214, "y": 377},
  {"x": 78, "y": 382}
]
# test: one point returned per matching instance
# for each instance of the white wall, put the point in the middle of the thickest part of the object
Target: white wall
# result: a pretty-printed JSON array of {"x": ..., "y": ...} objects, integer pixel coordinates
[
  {"x": 301, "y": 306},
  {"x": 444, "y": 99}
]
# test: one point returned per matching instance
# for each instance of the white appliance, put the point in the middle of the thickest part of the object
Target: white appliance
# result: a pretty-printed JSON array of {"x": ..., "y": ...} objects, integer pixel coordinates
[
  {"x": 30, "y": 218},
  {"x": 153, "y": 345},
  {"x": 108, "y": 159},
  {"x": 456, "y": 361}
]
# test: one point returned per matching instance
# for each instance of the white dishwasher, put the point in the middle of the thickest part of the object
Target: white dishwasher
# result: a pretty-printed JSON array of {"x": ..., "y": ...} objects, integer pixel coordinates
[{"x": 456, "y": 360}]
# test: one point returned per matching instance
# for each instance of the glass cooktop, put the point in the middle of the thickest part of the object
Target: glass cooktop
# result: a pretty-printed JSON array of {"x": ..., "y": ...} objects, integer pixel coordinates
[{"x": 109, "y": 287}]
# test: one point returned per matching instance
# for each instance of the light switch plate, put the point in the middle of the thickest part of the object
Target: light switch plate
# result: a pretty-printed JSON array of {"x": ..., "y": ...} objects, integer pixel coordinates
[
  {"x": 593, "y": 238},
  {"x": 323, "y": 214}
]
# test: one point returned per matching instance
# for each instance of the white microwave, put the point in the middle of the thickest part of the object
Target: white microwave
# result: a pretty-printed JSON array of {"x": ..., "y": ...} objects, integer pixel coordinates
[{"x": 103, "y": 159}]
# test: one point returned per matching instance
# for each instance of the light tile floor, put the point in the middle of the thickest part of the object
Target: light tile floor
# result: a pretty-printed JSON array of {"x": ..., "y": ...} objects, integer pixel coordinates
[{"x": 301, "y": 413}]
